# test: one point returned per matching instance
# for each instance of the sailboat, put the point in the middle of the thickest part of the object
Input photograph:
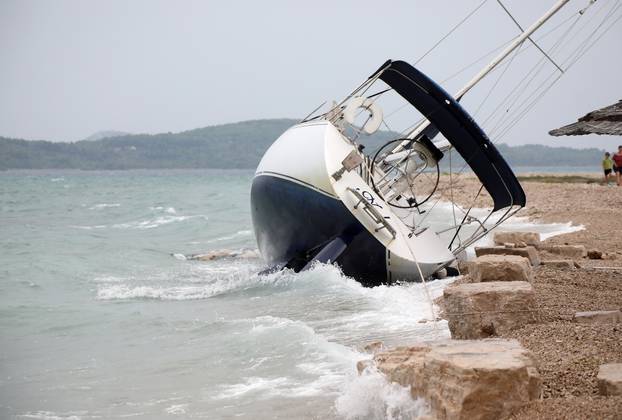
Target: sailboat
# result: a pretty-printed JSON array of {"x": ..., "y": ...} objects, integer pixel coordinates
[{"x": 317, "y": 196}]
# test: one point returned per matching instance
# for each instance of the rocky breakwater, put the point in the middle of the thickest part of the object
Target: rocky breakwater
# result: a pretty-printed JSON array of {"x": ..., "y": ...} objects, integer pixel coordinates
[
  {"x": 529, "y": 291},
  {"x": 474, "y": 376},
  {"x": 464, "y": 379}
]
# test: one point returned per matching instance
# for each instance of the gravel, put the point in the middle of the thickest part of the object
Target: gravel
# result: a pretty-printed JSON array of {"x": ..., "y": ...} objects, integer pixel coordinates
[{"x": 569, "y": 354}]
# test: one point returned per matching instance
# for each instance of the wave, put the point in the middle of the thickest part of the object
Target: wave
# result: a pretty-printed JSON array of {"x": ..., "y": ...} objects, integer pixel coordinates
[
  {"x": 50, "y": 415},
  {"x": 177, "y": 409},
  {"x": 157, "y": 222},
  {"x": 237, "y": 234},
  {"x": 109, "y": 279},
  {"x": 144, "y": 224},
  {"x": 94, "y": 227},
  {"x": 195, "y": 282},
  {"x": 318, "y": 366},
  {"x": 370, "y": 396},
  {"x": 253, "y": 385},
  {"x": 169, "y": 210},
  {"x": 104, "y": 206},
  {"x": 124, "y": 292}
]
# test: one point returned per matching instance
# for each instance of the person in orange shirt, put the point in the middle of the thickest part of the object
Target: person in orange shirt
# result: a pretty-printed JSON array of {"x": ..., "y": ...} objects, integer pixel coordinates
[{"x": 617, "y": 160}]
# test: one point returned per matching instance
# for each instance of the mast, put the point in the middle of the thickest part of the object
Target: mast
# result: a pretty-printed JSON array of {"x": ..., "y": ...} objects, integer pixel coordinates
[{"x": 494, "y": 63}]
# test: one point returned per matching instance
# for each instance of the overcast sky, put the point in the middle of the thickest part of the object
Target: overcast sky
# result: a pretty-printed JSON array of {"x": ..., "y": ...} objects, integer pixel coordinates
[{"x": 71, "y": 68}]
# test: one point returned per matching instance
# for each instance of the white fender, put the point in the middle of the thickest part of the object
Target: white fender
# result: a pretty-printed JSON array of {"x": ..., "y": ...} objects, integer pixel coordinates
[{"x": 373, "y": 124}]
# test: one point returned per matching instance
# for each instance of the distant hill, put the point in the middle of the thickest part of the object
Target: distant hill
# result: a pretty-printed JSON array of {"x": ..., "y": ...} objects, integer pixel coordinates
[
  {"x": 236, "y": 146},
  {"x": 105, "y": 134}
]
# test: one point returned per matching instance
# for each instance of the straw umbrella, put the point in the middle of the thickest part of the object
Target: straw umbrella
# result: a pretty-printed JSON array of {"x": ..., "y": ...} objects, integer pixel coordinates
[{"x": 607, "y": 120}]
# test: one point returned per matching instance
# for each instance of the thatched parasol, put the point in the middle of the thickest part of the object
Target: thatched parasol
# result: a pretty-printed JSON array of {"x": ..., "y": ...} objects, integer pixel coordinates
[{"x": 607, "y": 120}]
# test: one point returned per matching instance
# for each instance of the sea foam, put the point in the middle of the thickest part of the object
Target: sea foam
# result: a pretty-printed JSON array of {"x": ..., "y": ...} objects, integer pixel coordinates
[
  {"x": 371, "y": 396},
  {"x": 104, "y": 206},
  {"x": 145, "y": 224}
]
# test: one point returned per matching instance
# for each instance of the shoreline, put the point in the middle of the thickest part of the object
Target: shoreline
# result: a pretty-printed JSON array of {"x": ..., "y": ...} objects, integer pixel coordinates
[{"x": 568, "y": 354}]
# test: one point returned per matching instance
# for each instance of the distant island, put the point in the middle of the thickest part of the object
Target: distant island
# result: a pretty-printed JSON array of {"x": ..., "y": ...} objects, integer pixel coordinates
[{"x": 228, "y": 146}]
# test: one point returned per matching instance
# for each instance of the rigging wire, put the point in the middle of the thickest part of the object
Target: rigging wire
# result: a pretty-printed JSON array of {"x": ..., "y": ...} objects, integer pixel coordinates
[
  {"x": 492, "y": 88},
  {"x": 584, "y": 47},
  {"x": 529, "y": 102},
  {"x": 488, "y": 54},
  {"x": 451, "y": 192},
  {"x": 541, "y": 89},
  {"x": 433, "y": 47},
  {"x": 450, "y": 32},
  {"x": 543, "y": 36},
  {"x": 577, "y": 16},
  {"x": 442, "y": 193},
  {"x": 535, "y": 100},
  {"x": 464, "y": 166},
  {"x": 511, "y": 99},
  {"x": 529, "y": 37}
]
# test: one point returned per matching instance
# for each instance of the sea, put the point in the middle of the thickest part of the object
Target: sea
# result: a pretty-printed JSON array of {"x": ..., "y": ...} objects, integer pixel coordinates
[{"x": 103, "y": 314}]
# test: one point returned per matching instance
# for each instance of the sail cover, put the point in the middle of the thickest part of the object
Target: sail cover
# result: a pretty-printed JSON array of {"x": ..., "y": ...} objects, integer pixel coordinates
[{"x": 469, "y": 140}]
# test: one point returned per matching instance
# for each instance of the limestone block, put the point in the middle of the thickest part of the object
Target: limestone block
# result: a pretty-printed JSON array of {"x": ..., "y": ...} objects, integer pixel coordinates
[
  {"x": 568, "y": 251},
  {"x": 569, "y": 264},
  {"x": 529, "y": 238},
  {"x": 528, "y": 252},
  {"x": 610, "y": 379},
  {"x": 374, "y": 347},
  {"x": 465, "y": 379},
  {"x": 212, "y": 255},
  {"x": 598, "y": 317},
  {"x": 500, "y": 268},
  {"x": 219, "y": 254},
  {"x": 479, "y": 310},
  {"x": 594, "y": 254}
]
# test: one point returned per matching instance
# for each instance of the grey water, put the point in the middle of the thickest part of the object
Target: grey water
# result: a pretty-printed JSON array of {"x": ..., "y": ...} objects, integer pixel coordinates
[{"x": 102, "y": 316}]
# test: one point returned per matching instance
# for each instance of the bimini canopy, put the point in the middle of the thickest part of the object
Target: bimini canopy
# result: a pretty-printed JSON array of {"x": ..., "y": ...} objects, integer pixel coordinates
[{"x": 469, "y": 140}]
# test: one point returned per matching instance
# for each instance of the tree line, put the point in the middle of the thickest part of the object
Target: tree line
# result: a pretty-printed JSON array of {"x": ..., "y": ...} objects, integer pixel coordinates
[{"x": 229, "y": 146}]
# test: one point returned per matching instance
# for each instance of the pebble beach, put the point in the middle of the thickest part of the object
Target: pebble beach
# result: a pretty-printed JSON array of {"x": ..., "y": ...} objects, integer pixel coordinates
[{"x": 568, "y": 354}]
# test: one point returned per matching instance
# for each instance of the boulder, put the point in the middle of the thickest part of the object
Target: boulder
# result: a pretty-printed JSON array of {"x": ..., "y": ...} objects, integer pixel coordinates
[
  {"x": 374, "y": 347},
  {"x": 480, "y": 310},
  {"x": 569, "y": 264},
  {"x": 463, "y": 266},
  {"x": 465, "y": 379},
  {"x": 529, "y": 238},
  {"x": 598, "y": 317},
  {"x": 528, "y": 252},
  {"x": 568, "y": 251},
  {"x": 213, "y": 255},
  {"x": 594, "y": 254},
  {"x": 219, "y": 254},
  {"x": 610, "y": 379},
  {"x": 500, "y": 268}
]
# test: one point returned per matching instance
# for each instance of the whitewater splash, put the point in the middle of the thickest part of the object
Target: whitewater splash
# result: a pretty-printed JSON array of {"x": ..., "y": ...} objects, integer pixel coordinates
[
  {"x": 169, "y": 210},
  {"x": 145, "y": 224},
  {"x": 300, "y": 331},
  {"x": 370, "y": 396},
  {"x": 104, "y": 206}
]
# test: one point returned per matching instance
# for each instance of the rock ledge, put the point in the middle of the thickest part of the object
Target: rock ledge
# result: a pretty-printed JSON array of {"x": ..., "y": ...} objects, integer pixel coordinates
[{"x": 465, "y": 379}]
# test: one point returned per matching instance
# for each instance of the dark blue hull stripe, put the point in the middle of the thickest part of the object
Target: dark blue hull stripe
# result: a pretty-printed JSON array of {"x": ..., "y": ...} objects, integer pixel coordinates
[
  {"x": 291, "y": 217},
  {"x": 291, "y": 178}
]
